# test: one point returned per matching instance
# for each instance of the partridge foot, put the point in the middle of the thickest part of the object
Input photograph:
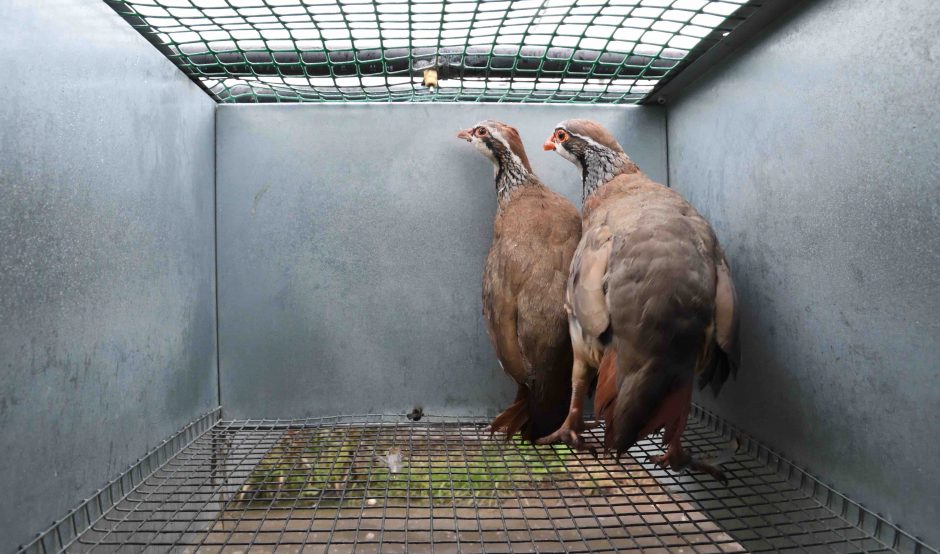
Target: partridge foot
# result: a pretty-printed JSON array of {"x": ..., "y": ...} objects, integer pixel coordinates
[
  {"x": 565, "y": 434},
  {"x": 679, "y": 459}
]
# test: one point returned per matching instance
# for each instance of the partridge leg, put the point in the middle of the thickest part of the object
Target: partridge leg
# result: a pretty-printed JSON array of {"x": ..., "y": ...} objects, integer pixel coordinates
[
  {"x": 677, "y": 459},
  {"x": 675, "y": 412},
  {"x": 569, "y": 432}
]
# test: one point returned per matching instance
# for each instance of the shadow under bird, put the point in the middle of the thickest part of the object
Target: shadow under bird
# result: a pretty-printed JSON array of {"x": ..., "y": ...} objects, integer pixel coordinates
[
  {"x": 535, "y": 233},
  {"x": 650, "y": 300}
]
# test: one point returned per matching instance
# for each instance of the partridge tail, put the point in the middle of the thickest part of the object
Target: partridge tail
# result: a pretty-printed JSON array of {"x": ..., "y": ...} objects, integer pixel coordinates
[
  {"x": 641, "y": 407},
  {"x": 514, "y": 418},
  {"x": 722, "y": 367},
  {"x": 534, "y": 414}
]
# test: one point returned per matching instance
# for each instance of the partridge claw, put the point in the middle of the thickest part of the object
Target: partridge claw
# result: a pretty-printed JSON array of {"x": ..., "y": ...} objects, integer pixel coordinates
[
  {"x": 683, "y": 461},
  {"x": 714, "y": 471},
  {"x": 565, "y": 435}
]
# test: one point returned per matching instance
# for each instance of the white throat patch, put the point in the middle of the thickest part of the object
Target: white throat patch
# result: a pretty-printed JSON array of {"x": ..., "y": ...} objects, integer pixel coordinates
[
  {"x": 563, "y": 152},
  {"x": 481, "y": 146}
]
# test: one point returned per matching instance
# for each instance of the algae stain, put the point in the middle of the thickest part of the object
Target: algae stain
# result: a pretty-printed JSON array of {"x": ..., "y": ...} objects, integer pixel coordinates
[{"x": 258, "y": 195}]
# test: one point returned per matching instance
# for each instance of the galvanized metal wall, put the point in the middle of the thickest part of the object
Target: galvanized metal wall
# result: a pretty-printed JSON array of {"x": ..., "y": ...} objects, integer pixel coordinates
[
  {"x": 107, "y": 341},
  {"x": 815, "y": 154},
  {"x": 351, "y": 247}
]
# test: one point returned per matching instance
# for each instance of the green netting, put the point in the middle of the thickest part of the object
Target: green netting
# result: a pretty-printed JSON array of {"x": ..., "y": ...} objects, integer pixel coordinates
[{"x": 586, "y": 51}]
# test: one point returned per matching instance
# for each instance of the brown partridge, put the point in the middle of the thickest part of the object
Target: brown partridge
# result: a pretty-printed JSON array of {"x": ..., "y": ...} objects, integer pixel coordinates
[
  {"x": 535, "y": 233},
  {"x": 650, "y": 299}
]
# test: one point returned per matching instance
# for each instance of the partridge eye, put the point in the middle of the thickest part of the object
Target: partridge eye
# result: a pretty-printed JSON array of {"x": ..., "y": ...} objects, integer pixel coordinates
[
  {"x": 481, "y": 131},
  {"x": 561, "y": 135}
]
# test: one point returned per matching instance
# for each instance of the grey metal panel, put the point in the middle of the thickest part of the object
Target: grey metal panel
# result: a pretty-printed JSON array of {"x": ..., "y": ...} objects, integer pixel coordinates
[
  {"x": 351, "y": 247},
  {"x": 107, "y": 342},
  {"x": 814, "y": 153}
]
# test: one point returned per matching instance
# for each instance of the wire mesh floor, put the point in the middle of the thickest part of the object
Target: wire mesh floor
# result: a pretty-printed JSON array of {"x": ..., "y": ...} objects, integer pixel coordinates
[{"x": 384, "y": 484}]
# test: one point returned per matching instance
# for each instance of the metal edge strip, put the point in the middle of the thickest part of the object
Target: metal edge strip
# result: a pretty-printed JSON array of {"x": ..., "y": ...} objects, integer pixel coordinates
[
  {"x": 65, "y": 530},
  {"x": 854, "y": 513}
]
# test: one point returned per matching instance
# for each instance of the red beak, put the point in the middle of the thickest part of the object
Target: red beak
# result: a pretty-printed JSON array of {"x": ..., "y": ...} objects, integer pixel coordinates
[
  {"x": 465, "y": 134},
  {"x": 549, "y": 144}
]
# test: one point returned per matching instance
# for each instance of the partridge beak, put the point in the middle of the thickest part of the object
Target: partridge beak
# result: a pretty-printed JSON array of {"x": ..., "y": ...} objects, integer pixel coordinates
[
  {"x": 549, "y": 144},
  {"x": 465, "y": 135}
]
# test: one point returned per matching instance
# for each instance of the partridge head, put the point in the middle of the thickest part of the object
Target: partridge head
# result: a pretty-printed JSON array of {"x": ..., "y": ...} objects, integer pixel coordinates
[
  {"x": 592, "y": 148},
  {"x": 501, "y": 144}
]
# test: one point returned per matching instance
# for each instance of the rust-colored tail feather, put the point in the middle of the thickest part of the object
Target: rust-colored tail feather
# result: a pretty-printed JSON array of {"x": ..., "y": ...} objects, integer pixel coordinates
[
  {"x": 639, "y": 408},
  {"x": 535, "y": 413},
  {"x": 513, "y": 418}
]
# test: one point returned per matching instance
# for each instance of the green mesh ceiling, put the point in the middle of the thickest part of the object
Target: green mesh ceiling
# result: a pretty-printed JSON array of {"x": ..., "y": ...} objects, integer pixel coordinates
[{"x": 584, "y": 51}]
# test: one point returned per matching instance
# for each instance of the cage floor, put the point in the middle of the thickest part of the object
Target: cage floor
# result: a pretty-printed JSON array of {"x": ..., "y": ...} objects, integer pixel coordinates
[{"x": 385, "y": 484}]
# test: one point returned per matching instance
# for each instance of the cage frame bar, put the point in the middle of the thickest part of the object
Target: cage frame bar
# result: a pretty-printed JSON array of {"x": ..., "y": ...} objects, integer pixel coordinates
[{"x": 596, "y": 64}]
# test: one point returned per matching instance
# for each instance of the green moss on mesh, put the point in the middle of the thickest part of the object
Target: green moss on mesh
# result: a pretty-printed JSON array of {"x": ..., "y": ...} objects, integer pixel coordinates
[{"x": 314, "y": 467}]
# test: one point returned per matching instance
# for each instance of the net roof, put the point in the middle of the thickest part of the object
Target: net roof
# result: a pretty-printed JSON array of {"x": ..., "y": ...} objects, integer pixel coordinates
[{"x": 582, "y": 51}]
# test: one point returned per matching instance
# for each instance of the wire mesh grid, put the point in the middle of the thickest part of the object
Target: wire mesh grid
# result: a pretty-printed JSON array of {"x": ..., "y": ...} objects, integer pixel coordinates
[
  {"x": 585, "y": 51},
  {"x": 385, "y": 484}
]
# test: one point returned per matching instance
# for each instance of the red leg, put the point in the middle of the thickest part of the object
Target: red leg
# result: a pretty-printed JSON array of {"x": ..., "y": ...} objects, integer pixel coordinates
[{"x": 673, "y": 414}]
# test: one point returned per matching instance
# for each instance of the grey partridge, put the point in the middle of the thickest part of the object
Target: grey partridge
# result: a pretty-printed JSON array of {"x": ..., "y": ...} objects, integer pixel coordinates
[{"x": 650, "y": 299}]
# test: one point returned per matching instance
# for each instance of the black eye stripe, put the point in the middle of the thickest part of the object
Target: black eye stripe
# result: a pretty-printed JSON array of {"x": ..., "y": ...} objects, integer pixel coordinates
[{"x": 495, "y": 146}]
